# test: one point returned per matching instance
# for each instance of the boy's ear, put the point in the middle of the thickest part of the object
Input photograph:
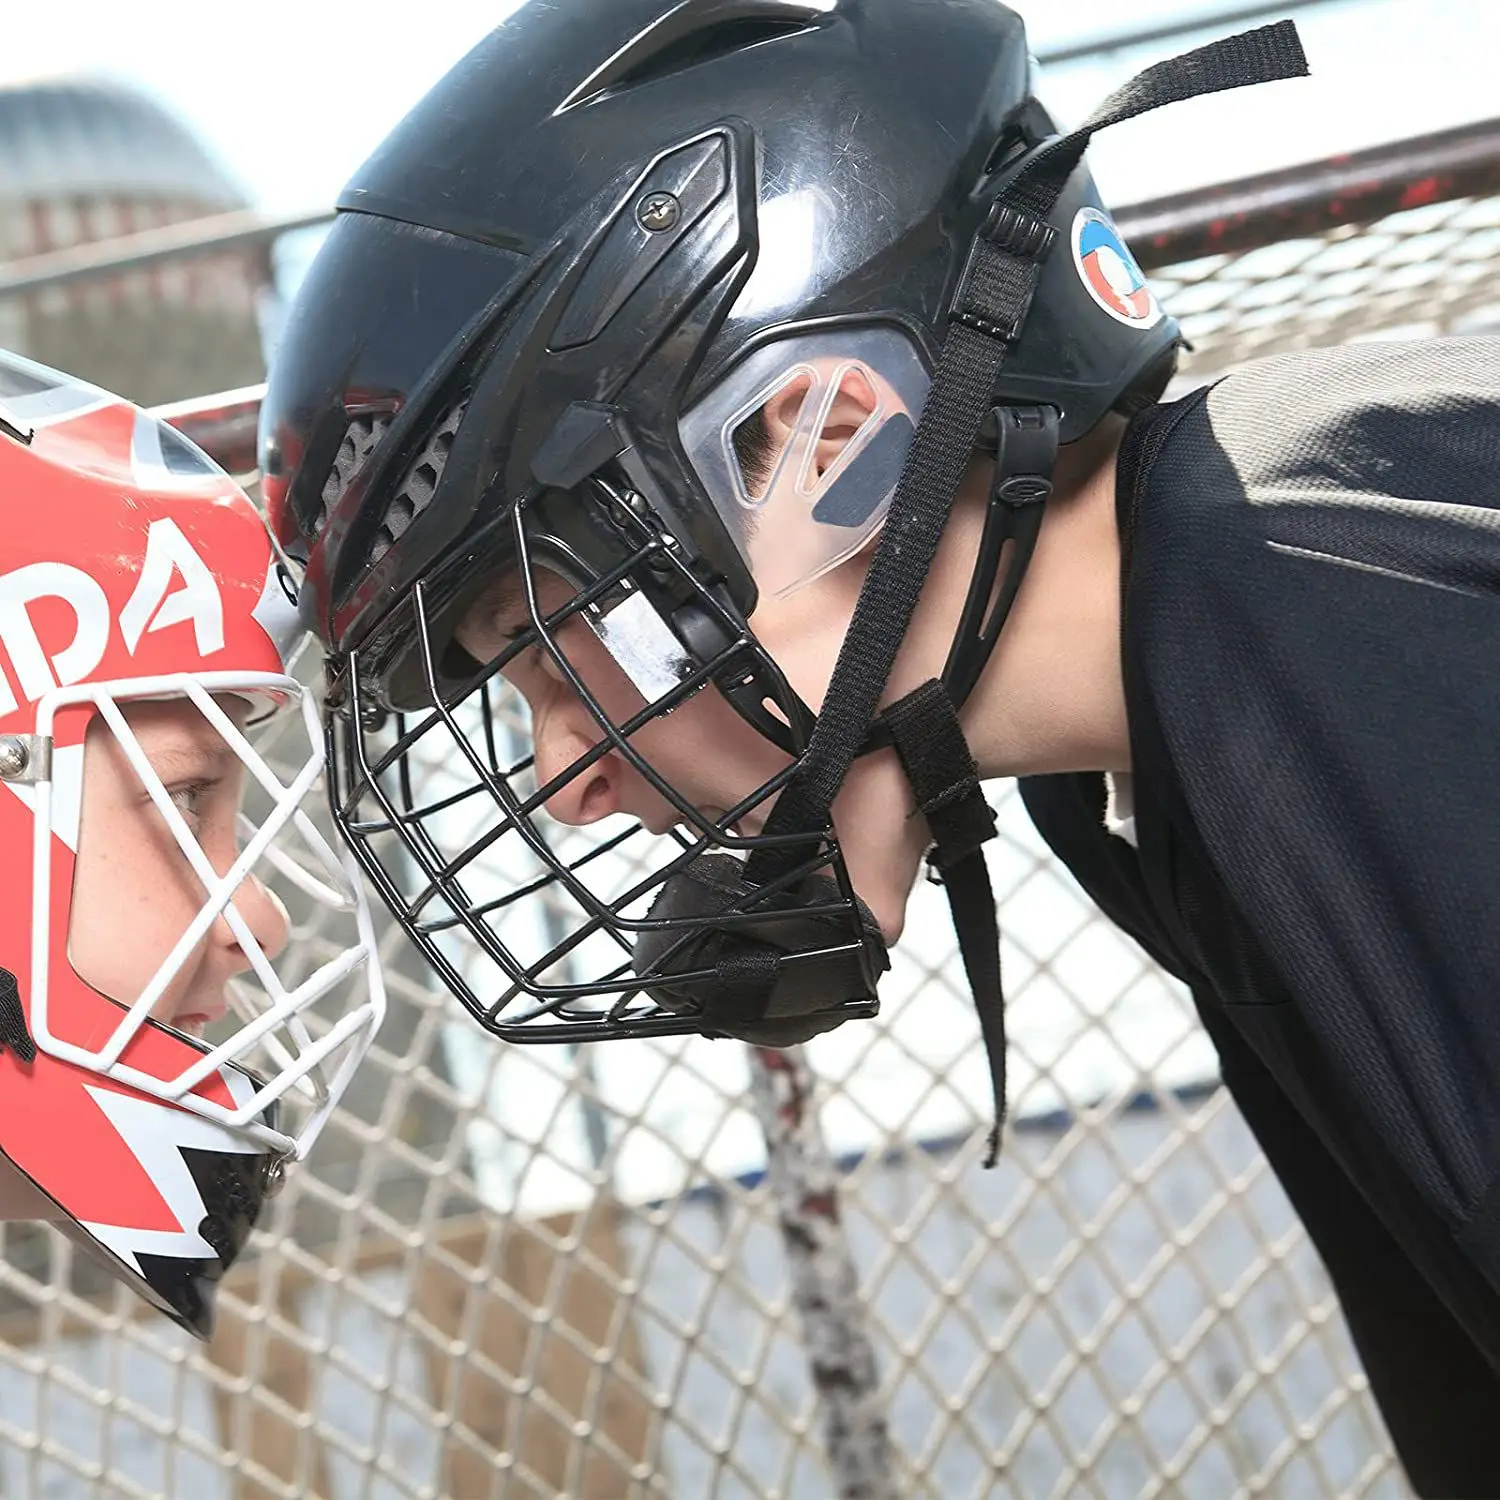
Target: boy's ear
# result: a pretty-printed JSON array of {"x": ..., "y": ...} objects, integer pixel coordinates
[
  {"x": 851, "y": 408},
  {"x": 783, "y": 411}
]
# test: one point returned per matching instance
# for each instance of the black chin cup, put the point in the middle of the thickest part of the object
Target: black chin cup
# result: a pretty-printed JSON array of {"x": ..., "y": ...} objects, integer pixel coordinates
[
  {"x": 232, "y": 1187},
  {"x": 774, "y": 982}
]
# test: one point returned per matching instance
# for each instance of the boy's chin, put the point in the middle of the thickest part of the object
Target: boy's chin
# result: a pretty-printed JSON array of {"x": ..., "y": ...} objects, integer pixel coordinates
[
  {"x": 888, "y": 907},
  {"x": 885, "y": 883}
]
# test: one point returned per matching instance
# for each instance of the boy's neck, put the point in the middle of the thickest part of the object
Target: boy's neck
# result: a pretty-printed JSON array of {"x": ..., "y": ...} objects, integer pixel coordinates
[{"x": 1052, "y": 697}]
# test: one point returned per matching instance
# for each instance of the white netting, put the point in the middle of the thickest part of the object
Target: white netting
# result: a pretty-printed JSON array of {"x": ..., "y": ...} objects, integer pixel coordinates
[{"x": 534, "y": 1272}]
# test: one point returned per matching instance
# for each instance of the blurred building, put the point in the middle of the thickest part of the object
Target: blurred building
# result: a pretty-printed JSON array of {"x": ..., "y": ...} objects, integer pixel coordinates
[{"x": 82, "y": 161}]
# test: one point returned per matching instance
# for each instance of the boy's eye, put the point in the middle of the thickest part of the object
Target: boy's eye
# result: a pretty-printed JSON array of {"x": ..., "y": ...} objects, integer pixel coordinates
[
  {"x": 190, "y": 799},
  {"x": 534, "y": 653}
]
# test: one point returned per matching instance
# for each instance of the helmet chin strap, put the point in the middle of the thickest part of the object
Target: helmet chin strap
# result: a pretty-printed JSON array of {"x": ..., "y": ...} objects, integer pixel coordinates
[{"x": 739, "y": 980}]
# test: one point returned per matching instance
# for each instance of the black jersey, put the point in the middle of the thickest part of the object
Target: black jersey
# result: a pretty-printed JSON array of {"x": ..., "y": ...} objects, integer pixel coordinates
[{"x": 1311, "y": 627}]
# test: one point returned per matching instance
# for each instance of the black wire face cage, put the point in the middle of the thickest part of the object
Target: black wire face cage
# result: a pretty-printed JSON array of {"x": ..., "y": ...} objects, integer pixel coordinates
[{"x": 533, "y": 924}]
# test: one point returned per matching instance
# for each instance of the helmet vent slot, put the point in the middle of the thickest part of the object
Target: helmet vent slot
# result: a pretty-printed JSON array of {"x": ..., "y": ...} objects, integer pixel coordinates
[
  {"x": 419, "y": 485},
  {"x": 693, "y": 34},
  {"x": 360, "y": 440}
]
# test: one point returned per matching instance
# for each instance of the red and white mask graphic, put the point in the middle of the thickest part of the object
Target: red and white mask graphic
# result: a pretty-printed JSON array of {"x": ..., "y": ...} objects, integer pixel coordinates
[{"x": 164, "y": 1055}]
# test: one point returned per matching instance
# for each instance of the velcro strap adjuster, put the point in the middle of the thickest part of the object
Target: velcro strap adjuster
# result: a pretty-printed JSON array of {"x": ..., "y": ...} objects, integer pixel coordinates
[
  {"x": 925, "y": 730},
  {"x": 961, "y": 821}
]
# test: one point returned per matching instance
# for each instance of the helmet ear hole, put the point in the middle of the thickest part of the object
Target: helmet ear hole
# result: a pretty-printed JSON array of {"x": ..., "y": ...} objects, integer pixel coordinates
[
  {"x": 755, "y": 450},
  {"x": 1011, "y": 147},
  {"x": 1028, "y": 125}
]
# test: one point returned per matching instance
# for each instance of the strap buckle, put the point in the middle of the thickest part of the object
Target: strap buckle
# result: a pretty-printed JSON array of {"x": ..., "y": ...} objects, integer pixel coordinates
[
  {"x": 1026, "y": 440},
  {"x": 999, "y": 277},
  {"x": 925, "y": 729}
]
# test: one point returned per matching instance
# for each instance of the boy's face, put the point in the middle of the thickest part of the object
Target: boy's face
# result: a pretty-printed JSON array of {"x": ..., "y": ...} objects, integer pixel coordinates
[
  {"x": 134, "y": 892},
  {"x": 712, "y": 758},
  {"x": 813, "y": 427}
]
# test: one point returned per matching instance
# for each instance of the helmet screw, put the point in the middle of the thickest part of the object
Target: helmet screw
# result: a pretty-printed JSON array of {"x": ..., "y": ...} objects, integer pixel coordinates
[
  {"x": 372, "y": 718},
  {"x": 14, "y": 758},
  {"x": 657, "y": 212}
]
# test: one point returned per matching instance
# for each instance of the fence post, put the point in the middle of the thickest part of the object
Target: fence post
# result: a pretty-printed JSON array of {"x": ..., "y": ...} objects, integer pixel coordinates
[{"x": 825, "y": 1284}]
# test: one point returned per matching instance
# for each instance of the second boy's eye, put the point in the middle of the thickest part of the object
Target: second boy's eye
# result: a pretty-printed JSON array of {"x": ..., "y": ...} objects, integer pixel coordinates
[{"x": 190, "y": 800}]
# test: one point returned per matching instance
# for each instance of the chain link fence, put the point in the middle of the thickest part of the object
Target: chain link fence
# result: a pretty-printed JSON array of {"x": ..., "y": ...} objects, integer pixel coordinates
[{"x": 678, "y": 1269}]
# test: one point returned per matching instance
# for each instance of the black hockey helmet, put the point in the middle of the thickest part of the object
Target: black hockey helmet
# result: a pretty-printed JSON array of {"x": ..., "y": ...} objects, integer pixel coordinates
[
  {"x": 538, "y": 334},
  {"x": 830, "y": 162}
]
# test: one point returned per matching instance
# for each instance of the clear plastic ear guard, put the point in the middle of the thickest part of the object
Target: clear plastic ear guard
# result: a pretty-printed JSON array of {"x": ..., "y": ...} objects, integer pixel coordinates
[{"x": 800, "y": 447}]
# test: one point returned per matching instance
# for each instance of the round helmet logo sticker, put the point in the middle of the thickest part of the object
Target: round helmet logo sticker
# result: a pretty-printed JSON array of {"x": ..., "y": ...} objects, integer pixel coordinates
[{"x": 1108, "y": 270}]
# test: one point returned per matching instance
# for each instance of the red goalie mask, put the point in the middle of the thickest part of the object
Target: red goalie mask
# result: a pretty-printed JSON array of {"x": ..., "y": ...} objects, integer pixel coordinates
[{"x": 162, "y": 1061}]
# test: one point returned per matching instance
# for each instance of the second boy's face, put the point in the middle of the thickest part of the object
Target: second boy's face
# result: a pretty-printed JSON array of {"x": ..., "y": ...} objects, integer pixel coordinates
[{"x": 134, "y": 892}]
